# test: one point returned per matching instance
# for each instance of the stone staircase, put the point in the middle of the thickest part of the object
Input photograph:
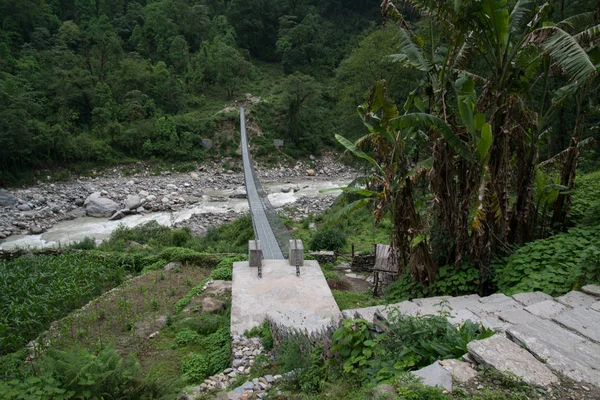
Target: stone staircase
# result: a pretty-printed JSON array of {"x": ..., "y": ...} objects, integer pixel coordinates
[{"x": 537, "y": 337}]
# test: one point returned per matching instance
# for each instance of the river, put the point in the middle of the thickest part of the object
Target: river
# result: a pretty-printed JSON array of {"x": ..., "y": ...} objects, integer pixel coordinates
[{"x": 66, "y": 232}]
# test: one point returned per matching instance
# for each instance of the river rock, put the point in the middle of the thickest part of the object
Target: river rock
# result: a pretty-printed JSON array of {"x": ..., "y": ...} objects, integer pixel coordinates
[
  {"x": 36, "y": 230},
  {"x": 238, "y": 194},
  {"x": 23, "y": 207},
  {"x": 133, "y": 201},
  {"x": 7, "y": 199},
  {"x": 118, "y": 215},
  {"x": 100, "y": 207}
]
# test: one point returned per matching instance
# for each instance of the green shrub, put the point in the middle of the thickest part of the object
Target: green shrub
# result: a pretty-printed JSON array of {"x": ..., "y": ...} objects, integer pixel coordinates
[
  {"x": 552, "y": 265},
  {"x": 330, "y": 275},
  {"x": 210, "y": 323},
  {"x": 150, "y": 233},
  {"x": 407, "y": 343},
  {"x": 262, "y": 331},
  {"x": 227, "y": 238},
  {"x": 87, "y": 243},
  {"x": 189, "y": 256},
  {"x": 449, "y": 282},
  {"x": 186, "y": 337},
  {"x": 43, "y": 387},
  {"x": 585, "y": 198},
  {"x": 94, "y": 376},
  {"x": 328, "y": 239},
  {"x": 195, "y": 368}
]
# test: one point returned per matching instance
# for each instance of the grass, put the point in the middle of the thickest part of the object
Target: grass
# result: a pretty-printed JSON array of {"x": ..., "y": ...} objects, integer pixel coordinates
[
  {"x": 349, "y": 300},
  {"x": 357, "y": 225},
  {"x": 34, "y": 291},
  {"x": 130, "y": 314}
]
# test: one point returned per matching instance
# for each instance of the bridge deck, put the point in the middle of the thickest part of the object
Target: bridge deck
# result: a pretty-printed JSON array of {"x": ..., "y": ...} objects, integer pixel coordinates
[{"x": 262, "y": 228}]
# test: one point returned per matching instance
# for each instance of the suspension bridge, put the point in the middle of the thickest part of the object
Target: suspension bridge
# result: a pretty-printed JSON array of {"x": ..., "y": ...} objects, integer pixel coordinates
[{"x": 294, "y": 294}]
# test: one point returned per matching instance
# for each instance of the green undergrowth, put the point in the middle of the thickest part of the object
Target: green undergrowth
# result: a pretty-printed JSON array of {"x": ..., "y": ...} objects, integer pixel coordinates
[
  {"x": 554, "y": 265},
  {"x": 451, "y": 281},
  {"x": 339, "y": 227},
  {"x": 222, "y": 271},
  {"x": 585, "y": 200},
  {"x": 349, "y": 300}
]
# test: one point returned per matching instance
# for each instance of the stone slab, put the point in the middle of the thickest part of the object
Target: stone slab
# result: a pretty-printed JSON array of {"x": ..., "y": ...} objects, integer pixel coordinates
[
  {"x": 495, "y": 298},
  {"x": 462, "y": 302},
  {"x": 304, "y": 302},
  {"x": 562, "y": 350},
  {"x": 435, "y": 375},
  {"x": 367, "y": 313},
  {"x": 495, "y": 306},
  {"x": 516, "y": 316},
  {"x": 461, "y": 316},
  {"x": 461, "y": 371},
  {"x": 595, "y": 306},
  {"x": 576, "y": 299},
  {"x": 428, "y": 302},
  {"x": 546, "y": 309},
  {"x": 503, "y": 355},
  {"x": 495, "y": 323},
  {"x": 528, "y": 299},
  {"x": 404, "y": 307},
  {"x": 583, "y": 321},
  {"x": 594, "y": 290}
]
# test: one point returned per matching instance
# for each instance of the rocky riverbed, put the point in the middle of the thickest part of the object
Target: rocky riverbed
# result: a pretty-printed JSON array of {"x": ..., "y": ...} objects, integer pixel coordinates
[{"x": 210, "y": 195}]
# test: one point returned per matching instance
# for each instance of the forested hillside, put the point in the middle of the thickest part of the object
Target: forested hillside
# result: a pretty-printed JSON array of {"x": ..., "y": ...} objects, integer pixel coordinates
[{"x": 98, "y": 82}]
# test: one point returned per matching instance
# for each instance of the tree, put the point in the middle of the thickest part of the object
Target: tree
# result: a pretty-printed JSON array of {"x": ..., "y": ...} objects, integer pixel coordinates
[
  {"x": 472, "y": 139},
  {"x": 299, "y": 90}
]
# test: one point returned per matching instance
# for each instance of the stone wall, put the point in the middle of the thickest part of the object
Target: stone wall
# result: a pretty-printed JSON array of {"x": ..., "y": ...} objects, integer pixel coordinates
[{"x": 362, "y": 262}]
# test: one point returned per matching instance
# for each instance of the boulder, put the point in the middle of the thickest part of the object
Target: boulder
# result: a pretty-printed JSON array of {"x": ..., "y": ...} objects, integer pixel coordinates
[
  {"x": 133, "y": 201},
  {"x": 36, "y": 230},
  {"x": 310, "y": 172},
  {"x": 172, "y": 266},
  {"x": 118, "y": 215},
  {"x": 23, "y": 207},
  {"x": 7, "y": 199},
  {"x": 100, "y": 207},
  {"x": 239, "y": 194},
  {"x": 210, "y": 305}
]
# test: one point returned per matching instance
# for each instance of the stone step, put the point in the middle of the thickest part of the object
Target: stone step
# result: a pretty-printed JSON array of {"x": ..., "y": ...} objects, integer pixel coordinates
[
  {"x": 581, "y": 320},
  {"x": 562, "y": 350},
  {"x": 576, "y": 299},
  {"x": 528, "y": 299},
  {"x": 504, "y": 355},
  {"x": 594, "y": 290},
  {"x": 546, "y": 309}
]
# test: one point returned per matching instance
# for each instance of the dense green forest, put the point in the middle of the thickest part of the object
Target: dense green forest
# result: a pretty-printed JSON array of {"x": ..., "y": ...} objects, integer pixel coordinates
[{"x": 100, "y": 82}]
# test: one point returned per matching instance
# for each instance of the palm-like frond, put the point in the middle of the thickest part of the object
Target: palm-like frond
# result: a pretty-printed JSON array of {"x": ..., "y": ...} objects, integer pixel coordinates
[
  {"x": 431, "y": 121},
  {"x": 577, "y": 22},
  {"x": 410, "y": 54},
  {"x": 588, "y": 36},
  {"x": 567, "y": 53},
  {"x": 519, "y": 16}
]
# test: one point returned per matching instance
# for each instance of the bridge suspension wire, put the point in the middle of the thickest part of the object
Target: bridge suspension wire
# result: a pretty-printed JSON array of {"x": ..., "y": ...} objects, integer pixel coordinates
[{"x": 268, "y": 228}]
